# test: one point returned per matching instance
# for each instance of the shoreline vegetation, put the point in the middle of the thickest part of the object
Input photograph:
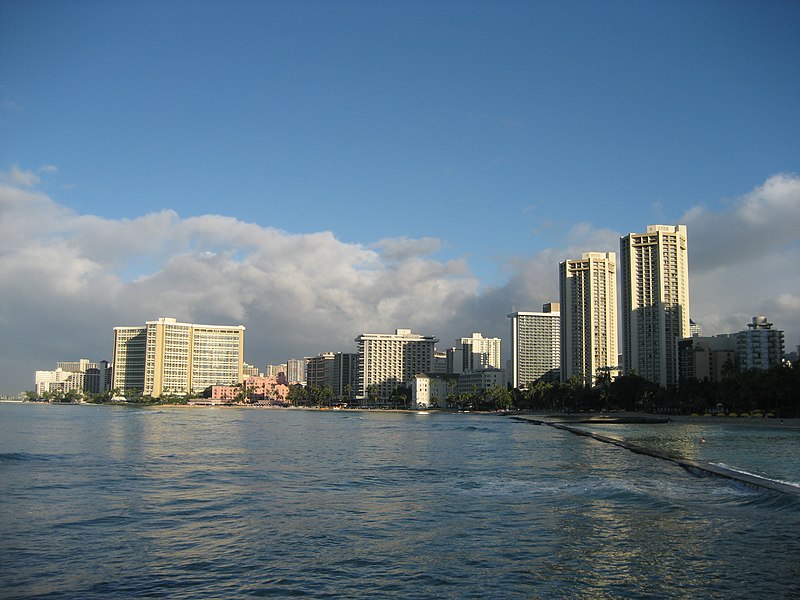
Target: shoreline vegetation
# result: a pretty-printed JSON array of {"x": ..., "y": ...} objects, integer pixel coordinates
[
  {"x": 750, "y": 395},
  {"x": 566, "y": 418}
]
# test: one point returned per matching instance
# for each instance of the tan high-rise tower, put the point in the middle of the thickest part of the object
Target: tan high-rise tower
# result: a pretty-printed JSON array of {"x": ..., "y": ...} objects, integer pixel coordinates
[
  {"x": 588, "y": 316},
  {"x": 170, "y": 357},
  {"x": 655, "y": 301}
]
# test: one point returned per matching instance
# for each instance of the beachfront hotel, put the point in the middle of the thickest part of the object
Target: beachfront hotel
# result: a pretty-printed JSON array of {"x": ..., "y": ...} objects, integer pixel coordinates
[
  {"x": 588, "y": 293},
  {"x": 535, "y": 346},
  {"x": 387, "y": 361},
  {"x": 655, "y": 301},
  {"x": 168, "y": 357}
]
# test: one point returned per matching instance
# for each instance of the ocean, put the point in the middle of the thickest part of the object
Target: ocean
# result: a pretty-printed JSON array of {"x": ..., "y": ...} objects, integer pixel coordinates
[{"x": 125, "y": 502}]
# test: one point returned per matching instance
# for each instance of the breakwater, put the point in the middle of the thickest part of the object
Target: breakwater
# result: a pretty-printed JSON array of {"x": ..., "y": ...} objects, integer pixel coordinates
[{"x": 695, "y": 467}]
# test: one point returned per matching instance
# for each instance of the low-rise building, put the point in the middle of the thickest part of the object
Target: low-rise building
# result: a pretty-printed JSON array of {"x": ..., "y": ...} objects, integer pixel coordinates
[
  {"x": 706, "y": 358},
  {"x": 471, "y": 382},
  {"x": 255, "y": 389},
  {"x": 430, "y": 390}
]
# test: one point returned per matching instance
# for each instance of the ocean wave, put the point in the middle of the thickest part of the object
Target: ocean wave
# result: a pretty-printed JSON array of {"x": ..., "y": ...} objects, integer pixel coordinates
[{"x": 24, "y": 456}]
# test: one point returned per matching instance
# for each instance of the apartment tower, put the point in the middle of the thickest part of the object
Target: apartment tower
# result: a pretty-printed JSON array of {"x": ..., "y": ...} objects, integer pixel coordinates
[
  {"x": 588, "y": 290},
  {"x": 535, "y": 346},
  {"x": 760, "y": 346},
  {"x": 655, "y": 301}
]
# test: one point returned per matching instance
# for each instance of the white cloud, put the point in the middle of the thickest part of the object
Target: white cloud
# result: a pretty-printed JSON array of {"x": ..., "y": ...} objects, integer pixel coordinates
[
  {"x": 403, "y": 248},
  {"x": 17, "y": 176},
  {"x": 749, "y": 229},
  {"x": 67, "y": 279},
  {"x": 744, "y": 259}
]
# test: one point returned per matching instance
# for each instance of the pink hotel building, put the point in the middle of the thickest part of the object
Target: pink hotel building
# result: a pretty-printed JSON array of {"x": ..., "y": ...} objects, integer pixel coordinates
[{"x": 271, "y": 390}]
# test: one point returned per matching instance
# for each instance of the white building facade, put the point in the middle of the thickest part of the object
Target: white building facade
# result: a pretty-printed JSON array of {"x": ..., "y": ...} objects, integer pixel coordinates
[
  {"x": 296, "y": 370},
  {"x": 387, "y": 361},
  {"x": 760, "y": 347},
  {"x": 79, "y": 376},
  {"x": 479, "y": 353},
  {"x": 432, "y": 390}
]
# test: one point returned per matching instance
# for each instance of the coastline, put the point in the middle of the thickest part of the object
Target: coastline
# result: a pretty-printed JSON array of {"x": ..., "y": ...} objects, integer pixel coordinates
[{"x": 620, "y": 418}]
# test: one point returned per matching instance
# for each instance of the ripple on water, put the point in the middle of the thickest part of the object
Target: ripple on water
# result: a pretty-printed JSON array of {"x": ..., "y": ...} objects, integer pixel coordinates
[{"x": 297, "y": 503}]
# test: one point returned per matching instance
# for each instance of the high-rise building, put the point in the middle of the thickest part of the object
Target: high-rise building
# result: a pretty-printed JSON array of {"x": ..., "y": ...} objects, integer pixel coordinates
[
  {"x": 655, "y": 301},
  {"x": 535, "y": 346},
  {"x": 275, "y": 370},
  {"x": 339, "y": 370},
  {"x": 296, "y": 371},
  {"x": 98, "y": 377},
  {"x": 319, "y": 370},
  {"x": 480, "y": 353},
  {"x": 77, "y": 376},
  {"x": 760, "y": 346},
  {"x": 170, "y": 357},
  {"x": 695, "y": 329},
  {"x": 249, "y": 370},
  {"x": 455, "y": 360},
  {"x": 440, "y": 362},
  {"x": 345, "y": 374},
  {"x": 588, "y": 316},
  {"x": 387, "y": 361},
  {"x": 130, "y": 344}
]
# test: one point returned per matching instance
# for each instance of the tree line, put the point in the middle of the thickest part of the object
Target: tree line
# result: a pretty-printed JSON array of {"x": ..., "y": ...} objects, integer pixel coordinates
[{"x": 775, "y": 391}]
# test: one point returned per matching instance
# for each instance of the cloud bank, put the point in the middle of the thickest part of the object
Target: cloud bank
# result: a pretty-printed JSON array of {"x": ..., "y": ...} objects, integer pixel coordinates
[
  {"x": 744, "y": 259},
  {"x": 68, "y": 279}
]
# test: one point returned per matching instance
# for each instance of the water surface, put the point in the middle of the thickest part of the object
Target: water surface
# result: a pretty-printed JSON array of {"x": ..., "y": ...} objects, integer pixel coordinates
[{"x": 123, "y": 502}]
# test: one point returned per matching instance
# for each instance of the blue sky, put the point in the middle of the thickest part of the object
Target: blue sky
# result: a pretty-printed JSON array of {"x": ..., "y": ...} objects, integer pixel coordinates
[{"x": 462, "y": 147}]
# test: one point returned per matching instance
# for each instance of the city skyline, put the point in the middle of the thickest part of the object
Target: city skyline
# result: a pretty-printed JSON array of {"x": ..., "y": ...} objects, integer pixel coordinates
[{"x": 315, "y": 171}]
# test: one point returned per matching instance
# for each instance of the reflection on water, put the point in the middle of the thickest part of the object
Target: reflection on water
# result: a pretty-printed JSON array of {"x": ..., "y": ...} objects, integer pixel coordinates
[{"x": 123, "y": 502}]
